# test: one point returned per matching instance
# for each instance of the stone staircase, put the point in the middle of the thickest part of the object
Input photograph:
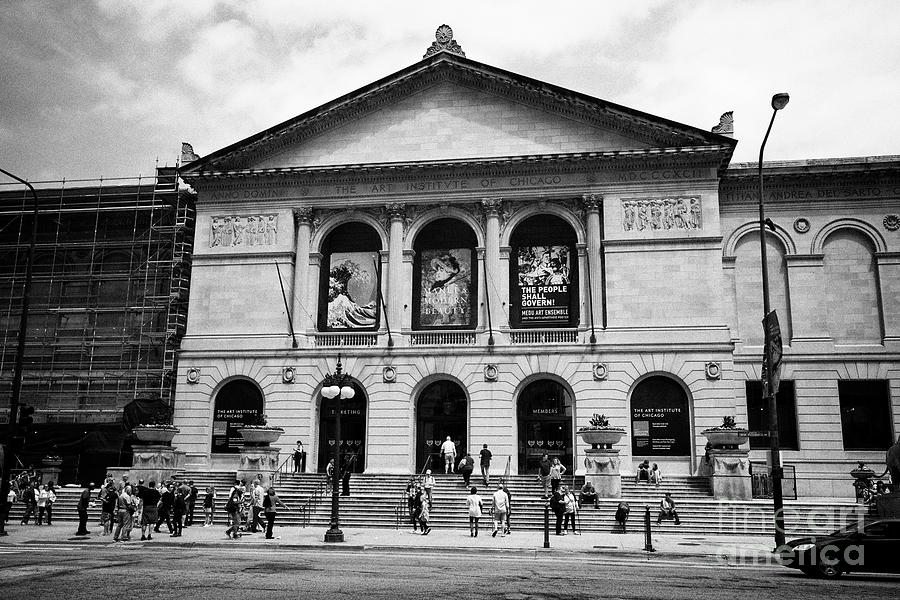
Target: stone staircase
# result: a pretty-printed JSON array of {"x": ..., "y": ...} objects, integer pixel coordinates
[{"x": 380, "y": 501}]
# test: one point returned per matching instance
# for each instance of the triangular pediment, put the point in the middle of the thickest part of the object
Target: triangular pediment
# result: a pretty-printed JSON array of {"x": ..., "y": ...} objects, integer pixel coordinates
[
  {"x": 448, "y": 121},
  {"x": 448, "y": 107}
]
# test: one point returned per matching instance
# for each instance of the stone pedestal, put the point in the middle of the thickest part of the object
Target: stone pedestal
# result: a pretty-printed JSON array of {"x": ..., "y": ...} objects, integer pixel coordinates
[
  {"x": 50, "y": 473},
  {"x": 602, "y": 469},
  {"x": 155, "y": 462},
  {"x": 258, "y": 461},
  {"x": 731, "y": 474}
]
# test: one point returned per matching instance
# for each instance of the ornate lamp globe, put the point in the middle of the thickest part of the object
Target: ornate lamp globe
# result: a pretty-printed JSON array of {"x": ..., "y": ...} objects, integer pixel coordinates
[
  {"x": 347, "y": 392},
  {"x": 331, "y": 391}
]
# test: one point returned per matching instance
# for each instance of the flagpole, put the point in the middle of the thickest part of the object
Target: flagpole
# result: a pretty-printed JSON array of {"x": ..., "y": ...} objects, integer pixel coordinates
[{"x": 778, "y": 102}]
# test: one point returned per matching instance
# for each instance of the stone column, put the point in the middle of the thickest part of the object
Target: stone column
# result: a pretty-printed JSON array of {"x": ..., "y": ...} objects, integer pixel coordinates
[
  {"x": 491, "y": 277},
  {"x": 592, "y": 203},
  {"x": 312, "y": 289},
  {"x": 731, "y": 474},
  {"x": 409, "y": 257},
  {"x": 395, "y": 297},
  {"x": 602, "y": 470},
  {"x": 584, "y": 317},
  {"x": 303, "y": 221}
]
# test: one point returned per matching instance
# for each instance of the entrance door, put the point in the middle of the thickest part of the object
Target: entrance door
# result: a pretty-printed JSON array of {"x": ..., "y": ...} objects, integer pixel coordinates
[
  {"x": 441, "y": 412},
  {"x": 545, "y": 425},
  {"x": 353, "y": 431}
]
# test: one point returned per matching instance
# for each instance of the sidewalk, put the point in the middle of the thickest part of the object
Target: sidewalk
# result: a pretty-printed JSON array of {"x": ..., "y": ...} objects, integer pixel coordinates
[{"x": 666, "y": 545}]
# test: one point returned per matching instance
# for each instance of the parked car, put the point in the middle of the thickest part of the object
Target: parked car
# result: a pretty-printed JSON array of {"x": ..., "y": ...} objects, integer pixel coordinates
[{"x": 861, "y": 547}]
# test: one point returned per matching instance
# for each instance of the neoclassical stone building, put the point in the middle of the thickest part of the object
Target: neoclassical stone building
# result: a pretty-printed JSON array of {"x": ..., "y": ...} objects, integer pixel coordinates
[{"x": 496, "y": 259}]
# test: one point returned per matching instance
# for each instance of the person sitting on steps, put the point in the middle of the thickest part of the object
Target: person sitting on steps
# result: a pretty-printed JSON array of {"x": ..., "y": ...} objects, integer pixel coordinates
[{"x": 667, "y": 510}]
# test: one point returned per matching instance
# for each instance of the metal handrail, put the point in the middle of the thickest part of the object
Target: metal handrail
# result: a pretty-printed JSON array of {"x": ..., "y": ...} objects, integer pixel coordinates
[{"x": 282, "y": 468}]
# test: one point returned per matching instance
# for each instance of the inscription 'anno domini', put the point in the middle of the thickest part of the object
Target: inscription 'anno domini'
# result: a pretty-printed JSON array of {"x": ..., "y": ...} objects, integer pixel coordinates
[{"x": 661, "y": 214}]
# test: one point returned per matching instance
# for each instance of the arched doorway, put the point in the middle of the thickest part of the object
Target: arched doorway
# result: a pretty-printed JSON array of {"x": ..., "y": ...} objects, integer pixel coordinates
[
  {"x": 353, "y": 431},
  {"x": 236, "y": 404},
  {"x": 660, "y": 418},
  {"x": 442, "y": 411},
  {"x": 544, "y": 412}
]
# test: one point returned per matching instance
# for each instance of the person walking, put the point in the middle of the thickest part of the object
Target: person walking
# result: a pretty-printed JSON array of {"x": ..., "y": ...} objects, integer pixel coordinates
[
  {"x": 167, "y": 499},
  {"x": 622, "y": 515},
  {"x": 84, "y": 502},
  {"x": 29, "y": 497},
  {"x": 557, "y": 470},
  {"x": 43, "y": 496},
  {"x": 558, "y": 506},
  {"x": 299, "y": 456},
  {"x": 485, "y": 456},
  {"x": 474, "y": 505},
  {"x": 428, "y": 486},
  {"x": 124, "y": 508},
  {"x": 544, "y": 468},
  {"x": 412, "y": 496},
  {"x": 191, "y": 504},
  {"x": 257, "y": 507},
  {"x": 108, "y": 509},
  {"x": 150, "y": 513},
  {"x": 423, "y": 513},
  {"x": 570, "y": 510},
  {"x": 270, "y": 504},
  {"x": 136, "y": 510},
  {"x": 179, "y": 508},
  {"x": 209, "y": 506},
  {"x": 448, "y": 449},
  {"x": 51, "y": 499},
  {"x": 509, "y": 507},
  {"x": 233, "y": 509},
  {"x": 500, "y": 507},
  {"x": 466, "y": 467}
]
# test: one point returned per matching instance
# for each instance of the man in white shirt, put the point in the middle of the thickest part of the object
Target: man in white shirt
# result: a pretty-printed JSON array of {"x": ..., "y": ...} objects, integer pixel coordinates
[
  {"x": 448, "y": 449},
  {"x": 501, "y": 506},
  {"x": 259, "y": 494}
]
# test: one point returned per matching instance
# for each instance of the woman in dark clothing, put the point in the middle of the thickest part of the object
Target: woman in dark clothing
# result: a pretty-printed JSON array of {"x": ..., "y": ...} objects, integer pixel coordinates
[
  {"x": 179, "y": 508},
  {"x": 269, "y": 503},
  {"x": 558, "y": 506}
]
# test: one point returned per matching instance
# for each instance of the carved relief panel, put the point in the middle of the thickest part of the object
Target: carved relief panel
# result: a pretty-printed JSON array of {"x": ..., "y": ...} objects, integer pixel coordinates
[
  {"x": 662, "y": 214},
  {"x": 228, "y": 231}
]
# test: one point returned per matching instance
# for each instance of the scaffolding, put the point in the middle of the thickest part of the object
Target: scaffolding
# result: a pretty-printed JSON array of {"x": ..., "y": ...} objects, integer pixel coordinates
[{"x": 108, "y": 305}]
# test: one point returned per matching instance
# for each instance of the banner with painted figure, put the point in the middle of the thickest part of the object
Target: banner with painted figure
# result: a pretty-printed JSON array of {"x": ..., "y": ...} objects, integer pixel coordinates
[
  {"x": 543, "y": 282},
  {"x": 446, "y": 289},
  {"x": 353, "y": 290}
]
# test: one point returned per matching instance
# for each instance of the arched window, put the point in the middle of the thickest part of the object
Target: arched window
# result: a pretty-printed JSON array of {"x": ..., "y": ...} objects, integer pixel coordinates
[
  {"x": 543, "y": 275},
  {"x": 660, "y": 418},
  {"x": 851, "y": 288},
  {"x": 350, "y": 280},
  {"x": 236, "y": 403},
  {"x": 445, "y": 282},
  {"x": 748, "y": 288}
]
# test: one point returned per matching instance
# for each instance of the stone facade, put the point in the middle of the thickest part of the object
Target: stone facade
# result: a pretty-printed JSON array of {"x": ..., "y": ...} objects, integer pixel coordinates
[{"x": 664, "y": 253}]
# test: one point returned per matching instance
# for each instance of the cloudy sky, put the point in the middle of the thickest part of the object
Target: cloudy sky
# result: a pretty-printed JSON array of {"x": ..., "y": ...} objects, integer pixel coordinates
[{"x": 108, "y": 87}]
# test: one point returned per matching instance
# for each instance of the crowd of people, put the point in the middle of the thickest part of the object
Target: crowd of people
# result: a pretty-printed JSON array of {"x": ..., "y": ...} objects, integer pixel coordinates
[{"x": 251, "y": 507}]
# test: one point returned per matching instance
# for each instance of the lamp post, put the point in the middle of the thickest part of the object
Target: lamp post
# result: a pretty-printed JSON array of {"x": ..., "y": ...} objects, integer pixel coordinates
[
  {"x": 11, "y": 446},
  {"x": 779, "y": 101},
  {"x": 336, "y": 387}
]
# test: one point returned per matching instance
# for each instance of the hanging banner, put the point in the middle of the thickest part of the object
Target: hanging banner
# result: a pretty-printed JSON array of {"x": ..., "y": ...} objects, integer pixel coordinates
[
  {"x": 353, "y": 291},
  {"x": 660, "y": 425},
  {"x": 446, "y": 289},
  {"x": 543, "y": 284},
  {"x": 775, "y": 350}
]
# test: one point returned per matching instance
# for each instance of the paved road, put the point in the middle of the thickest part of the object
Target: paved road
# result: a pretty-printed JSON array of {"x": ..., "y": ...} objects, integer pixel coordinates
[{"x": 72, "y": 571}]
